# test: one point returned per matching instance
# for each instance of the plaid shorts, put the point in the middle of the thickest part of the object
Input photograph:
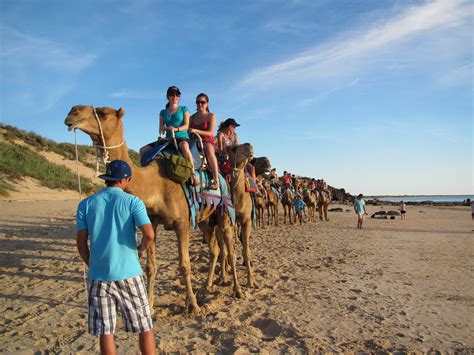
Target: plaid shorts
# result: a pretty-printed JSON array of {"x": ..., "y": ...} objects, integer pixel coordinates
[{"x": 127, "y": 295}]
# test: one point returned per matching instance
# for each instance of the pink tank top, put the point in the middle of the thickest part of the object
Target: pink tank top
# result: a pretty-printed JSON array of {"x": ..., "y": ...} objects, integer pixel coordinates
[{"x": 204, "y": 127}]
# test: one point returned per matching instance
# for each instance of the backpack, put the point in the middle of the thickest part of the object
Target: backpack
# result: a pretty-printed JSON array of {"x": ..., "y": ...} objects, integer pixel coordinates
[{"x": 178, "y": 168}]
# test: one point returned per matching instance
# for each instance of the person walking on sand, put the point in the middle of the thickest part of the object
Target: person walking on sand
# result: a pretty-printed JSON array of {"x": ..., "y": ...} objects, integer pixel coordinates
[
  {"x": 299, "y": 204},
  {"x": 403, "y": 210},
  {"x": 359, "y": 208},
  {"x": 108, "y": 220}
]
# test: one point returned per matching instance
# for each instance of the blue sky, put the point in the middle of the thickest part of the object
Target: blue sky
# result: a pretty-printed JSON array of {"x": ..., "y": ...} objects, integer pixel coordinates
[{"x": 374, "y": 96}]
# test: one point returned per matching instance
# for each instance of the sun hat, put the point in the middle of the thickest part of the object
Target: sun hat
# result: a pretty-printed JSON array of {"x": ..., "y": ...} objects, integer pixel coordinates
[
  {"x": 173, "y": 90},
  {"x": 230, "y": 122},
  {"x": 116, "y": 171}
]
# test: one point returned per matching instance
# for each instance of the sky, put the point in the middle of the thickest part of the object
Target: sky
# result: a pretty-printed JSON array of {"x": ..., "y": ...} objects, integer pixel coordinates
[{"x": 374, "y": 96}]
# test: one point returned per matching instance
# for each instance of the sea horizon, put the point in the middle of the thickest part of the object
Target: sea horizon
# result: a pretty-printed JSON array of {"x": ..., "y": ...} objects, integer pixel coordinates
[{"x": 422, "y": 198}]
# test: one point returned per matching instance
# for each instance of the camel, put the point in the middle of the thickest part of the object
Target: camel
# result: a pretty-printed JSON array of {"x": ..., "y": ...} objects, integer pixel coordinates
[
  {"x": 323, "y": 203},
  {"x": 260, "y": 207},
  {"x": 287, "y": 202},
  {"x": 310, "y": 199},
  {"x": 260, "y": 201},
  {"x": 164, "y": 199},
  {"x": 272, "y": 204},
  {"x": 239, "y": 156}
]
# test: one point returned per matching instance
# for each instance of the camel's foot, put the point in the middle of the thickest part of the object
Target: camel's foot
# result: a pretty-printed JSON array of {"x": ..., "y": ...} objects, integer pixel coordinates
[
  {"x": 320, "y": 219},
  {"x": 238, "y": 293},
  {"x": 251, "y": 283},
  {"x": 223, "y": 280},
  {"x": 209, "y": 285},
  {"x": 327, "y": 219},
  {"x": 192, "y": 307}
]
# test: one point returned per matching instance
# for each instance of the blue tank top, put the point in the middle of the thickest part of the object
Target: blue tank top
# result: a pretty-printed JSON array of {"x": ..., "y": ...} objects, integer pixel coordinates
[{"x": 175, "y": 119}]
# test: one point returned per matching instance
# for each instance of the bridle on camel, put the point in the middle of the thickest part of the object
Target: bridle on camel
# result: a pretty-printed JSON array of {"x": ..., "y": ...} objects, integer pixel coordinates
[
  {"x": 238, "y": 173},
  {"x": 104, "y": 158}
]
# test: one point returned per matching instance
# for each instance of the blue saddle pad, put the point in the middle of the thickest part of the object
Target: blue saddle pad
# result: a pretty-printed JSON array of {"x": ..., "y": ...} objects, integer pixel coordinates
[
  {"x": 150, "y": 155},
  {"x": 195, "y": 153},
  {"x": 276, "y": 192}
]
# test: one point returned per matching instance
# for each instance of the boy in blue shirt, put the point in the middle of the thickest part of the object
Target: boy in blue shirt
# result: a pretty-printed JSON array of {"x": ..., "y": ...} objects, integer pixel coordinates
[
  {"x": 299, "y": 205},
  {"x": 108, "y": 220}
]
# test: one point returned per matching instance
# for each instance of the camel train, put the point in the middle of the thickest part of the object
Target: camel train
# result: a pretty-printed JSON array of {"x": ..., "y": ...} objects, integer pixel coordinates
[{"x": 165, "y": 201}]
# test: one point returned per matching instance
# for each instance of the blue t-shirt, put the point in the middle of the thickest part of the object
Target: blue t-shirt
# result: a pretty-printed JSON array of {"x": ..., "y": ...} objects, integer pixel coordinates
[
  {"x": 175, "y": 119},
  {"x": 111, "y": 217},
  {"x": 359, "y": 206},
  {"x": 299, "y": 204}
]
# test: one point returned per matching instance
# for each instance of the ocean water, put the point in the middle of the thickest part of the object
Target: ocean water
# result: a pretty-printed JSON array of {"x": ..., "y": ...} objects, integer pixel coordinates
[{"x": 434, "y": 199}]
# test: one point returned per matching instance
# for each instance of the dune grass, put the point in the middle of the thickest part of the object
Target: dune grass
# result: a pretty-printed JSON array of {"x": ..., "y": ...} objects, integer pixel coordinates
[
  {"x": 18, "y": 161},
  {"x": 67, "y": 150}
]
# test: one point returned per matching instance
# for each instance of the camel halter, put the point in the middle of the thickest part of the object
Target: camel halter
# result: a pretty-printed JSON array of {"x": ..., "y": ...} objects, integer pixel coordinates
[{"x": 104, "y": 157}]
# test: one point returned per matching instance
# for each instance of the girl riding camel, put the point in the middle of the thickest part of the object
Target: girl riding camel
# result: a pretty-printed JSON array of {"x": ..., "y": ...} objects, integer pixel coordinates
[
  {"x": 203, "y": 122},
  {"x": 175, "y": 118}
]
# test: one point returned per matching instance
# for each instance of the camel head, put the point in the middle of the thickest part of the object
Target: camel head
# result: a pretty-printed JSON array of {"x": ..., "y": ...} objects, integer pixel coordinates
[
  {"x": 239, "y": 155},
  {"x": 83, "y": 118},
  {"x": 262, "y": 165}
]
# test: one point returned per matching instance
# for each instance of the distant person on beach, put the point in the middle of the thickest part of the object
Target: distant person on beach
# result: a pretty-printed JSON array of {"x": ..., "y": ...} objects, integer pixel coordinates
[
  {"x": 108, "y": 220},
  {"x": 472, "y": 210},
  {"x": 403, "y": 210},
  {"x": 299, "y": 205},
  {"x": 359, "y": 208}
]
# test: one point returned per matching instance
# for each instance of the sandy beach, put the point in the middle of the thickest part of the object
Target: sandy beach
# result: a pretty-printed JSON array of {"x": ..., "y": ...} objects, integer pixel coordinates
[{"x": 323, "y": 286}]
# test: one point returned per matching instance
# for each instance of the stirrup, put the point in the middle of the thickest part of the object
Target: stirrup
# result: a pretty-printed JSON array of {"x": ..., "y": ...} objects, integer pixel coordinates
[{"x": 215, "y": 184}]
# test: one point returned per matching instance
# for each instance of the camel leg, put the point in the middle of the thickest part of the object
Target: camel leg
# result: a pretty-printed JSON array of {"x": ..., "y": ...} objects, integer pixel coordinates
[
  {"x": 150, "y": 271},
  {"x": 214, "y": 256},
  {"x": 326, "y": 213},
  {"x": 320, "y": 210},
  {"x": 275, "y": 214},
  {"x": 224, "y": 255},
  {"x": 226, "y": 231},
  {"x": 245, "y": 238},
  {"x": 182, "y": 233},
  {"x": 268, "y": 214}
]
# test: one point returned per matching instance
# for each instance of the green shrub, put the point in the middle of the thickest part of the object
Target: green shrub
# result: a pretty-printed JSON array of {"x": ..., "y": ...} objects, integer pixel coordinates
[{"x": 17, "y": 161}]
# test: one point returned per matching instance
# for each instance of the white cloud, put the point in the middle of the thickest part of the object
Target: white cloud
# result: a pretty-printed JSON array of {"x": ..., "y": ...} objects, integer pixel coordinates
[
  {"x": 21, "y": 50},
  {"x": 314, "y": 99},
  {"x": 457, "y": 76},
  {"x": 54, "y": 68},
  {"x": 329, "y": 59},
  {"x": 136, "y": 94}
]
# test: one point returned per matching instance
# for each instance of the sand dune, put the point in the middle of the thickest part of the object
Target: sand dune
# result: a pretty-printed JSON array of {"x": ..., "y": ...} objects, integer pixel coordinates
[{"x": 324, "y": 286}]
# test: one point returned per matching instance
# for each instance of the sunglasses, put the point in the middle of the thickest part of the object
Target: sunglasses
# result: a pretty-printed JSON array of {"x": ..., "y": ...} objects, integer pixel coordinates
[
  {"x": 201, "y": 102},
  {"x": 174, "y": 94}
]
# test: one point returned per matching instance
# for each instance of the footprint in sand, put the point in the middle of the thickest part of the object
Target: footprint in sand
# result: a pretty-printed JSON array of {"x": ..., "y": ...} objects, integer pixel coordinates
[{"x": 269, "y": 328}]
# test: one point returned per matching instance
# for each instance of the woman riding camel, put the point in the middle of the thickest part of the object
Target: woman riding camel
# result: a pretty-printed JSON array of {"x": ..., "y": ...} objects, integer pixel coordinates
[
  {"x": 203, "y": 122},
  {"x": 227, "y": 137},
  {"x": 175, "y": 118}
]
